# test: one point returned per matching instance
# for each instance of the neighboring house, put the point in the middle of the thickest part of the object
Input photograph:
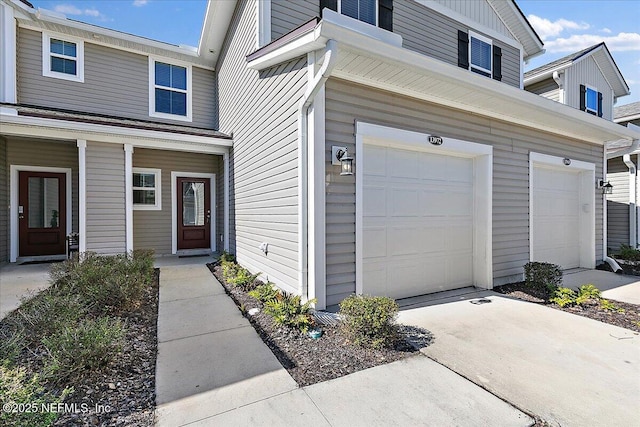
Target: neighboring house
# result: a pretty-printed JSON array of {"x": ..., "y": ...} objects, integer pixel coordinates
[
  {"x": 622, "y": 173},
  {"x": 459, "y": 178}
]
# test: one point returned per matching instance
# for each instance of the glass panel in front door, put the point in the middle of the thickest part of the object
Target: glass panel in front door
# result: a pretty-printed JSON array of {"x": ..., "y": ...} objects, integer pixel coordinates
[
  {"x": 193, "y": 209},
  {"x": 44, "y": 198}
]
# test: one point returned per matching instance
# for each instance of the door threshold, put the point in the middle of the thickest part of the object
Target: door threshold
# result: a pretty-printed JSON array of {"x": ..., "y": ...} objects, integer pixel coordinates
[
  {"x": 41, "y": 259},
  {"x": 189, "y": 253}
]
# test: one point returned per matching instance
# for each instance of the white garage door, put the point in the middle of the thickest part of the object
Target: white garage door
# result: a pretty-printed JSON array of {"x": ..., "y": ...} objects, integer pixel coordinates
[
  {"x": 417, "y": 222},
  {"x": 556, "y": 216}
]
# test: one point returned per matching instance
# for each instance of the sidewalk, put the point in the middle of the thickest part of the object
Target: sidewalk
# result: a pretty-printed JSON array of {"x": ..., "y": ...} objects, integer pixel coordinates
[
  {"x": 213, "y": 369},
  {"x": 17, "y": 281}
]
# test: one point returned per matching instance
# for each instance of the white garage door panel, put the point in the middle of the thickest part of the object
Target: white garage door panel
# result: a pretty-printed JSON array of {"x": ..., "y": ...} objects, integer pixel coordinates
[
  {"x": 417, "y": 222},
  {"x": 556, "y": 217}
]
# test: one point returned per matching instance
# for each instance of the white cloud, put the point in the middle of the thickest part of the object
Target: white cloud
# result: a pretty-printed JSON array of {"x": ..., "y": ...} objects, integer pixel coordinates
[
  {"x": 619, "y": 43},
  {"x": 606, "y": 30},
  {"x": 545, "y": 28},
  {"x": 69, "y": 9},
  {"x": 140, "y": 3}
]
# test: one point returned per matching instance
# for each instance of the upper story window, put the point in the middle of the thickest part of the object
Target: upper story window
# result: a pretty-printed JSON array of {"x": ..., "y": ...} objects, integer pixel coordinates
[
  {"x": 62, "y": 57},
  {"x": 478, "y": 54},
  {"x": 591, "y": 100},
  {"x": 146, "y": 189},
  {"x": 169, "y": 90},
  {"x": 374, "y": 12}
]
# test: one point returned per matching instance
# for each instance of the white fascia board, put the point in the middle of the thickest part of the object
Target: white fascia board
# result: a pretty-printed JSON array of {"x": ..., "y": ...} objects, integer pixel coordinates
[
  {"x": 298, "y": 47},
  {"x": 627, "y": 118},
  {"x": 62, "y": 129},
  {"x": 214, "y": 28},
  {"x": 546, "y": 74}
]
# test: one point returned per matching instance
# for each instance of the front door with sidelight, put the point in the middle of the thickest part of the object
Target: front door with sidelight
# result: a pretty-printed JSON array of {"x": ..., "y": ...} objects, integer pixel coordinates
[
  {"x": 42, "y": 213},
  {"x": 194, "y": 213}
]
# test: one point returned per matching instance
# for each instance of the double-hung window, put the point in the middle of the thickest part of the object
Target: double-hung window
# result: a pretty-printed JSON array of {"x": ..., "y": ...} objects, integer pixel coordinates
[
  {"x": 169, "y": 90},
  {"x": 480, "y": 53},
  {"x": 62, "y": 57},
  {"x": 362, "y": 10},
  {"x": 146, "y": 189}
]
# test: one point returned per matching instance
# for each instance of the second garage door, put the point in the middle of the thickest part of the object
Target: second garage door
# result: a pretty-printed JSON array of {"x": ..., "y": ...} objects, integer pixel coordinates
[{"x": 417, "y": 222}]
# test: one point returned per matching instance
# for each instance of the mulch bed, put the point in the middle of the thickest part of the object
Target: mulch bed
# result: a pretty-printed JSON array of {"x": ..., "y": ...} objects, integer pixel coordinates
[
  {"x": 124, "y": 391},
  {"x": 630, "y": 319},
  {"x": 311, "y": 361}
]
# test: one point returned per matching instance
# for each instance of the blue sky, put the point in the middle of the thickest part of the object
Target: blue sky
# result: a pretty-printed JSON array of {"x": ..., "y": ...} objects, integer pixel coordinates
[{"x": 565, "y": 26}]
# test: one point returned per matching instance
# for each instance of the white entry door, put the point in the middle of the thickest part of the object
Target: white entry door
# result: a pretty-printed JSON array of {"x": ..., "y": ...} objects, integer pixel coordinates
[{"x": 417, "y": 222}]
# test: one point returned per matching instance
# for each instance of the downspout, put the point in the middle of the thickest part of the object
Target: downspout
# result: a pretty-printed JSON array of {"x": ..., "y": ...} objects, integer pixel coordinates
[
  {"x": 632, "y": 199},
  {"x": 313, "y": 87},
  {"x": 559, "y": 79}
]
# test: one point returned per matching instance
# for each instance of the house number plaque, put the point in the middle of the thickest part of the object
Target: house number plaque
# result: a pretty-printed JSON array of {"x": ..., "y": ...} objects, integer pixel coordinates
[{"x": 435, "y": 140}]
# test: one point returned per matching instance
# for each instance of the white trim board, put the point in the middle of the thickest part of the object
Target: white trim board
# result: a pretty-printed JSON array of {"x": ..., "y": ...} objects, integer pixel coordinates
[
  {"x": 174, "y": 207},
  {"x": 587, "y": 230},
  {"x": 367, "y": 133},
  {"x": 14, "y": 202}
]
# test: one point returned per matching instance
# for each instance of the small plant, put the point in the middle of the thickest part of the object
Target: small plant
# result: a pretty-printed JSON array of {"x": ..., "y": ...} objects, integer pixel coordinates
[
  {"x": 227, "y": 257},
  {"x": 543, "y": 276},
  {"x": 628, "y": 253},
  {"x": 563, "y": 297},
  {"x": 229, "y": 270},
  {"x": 369, "y": 321},
  {"x": 12, "y": 341},
  {"x": 243, "y": 279},
  {"x": 265, "y": 292},
  {"x": 16, "y": 389},
  {"x": 607, "y": 305},
  {"x": 287, "y": 310},
  {"x": 51, "y": 310},
  {"x": 87, "y": 345},
  {"x": 588, "y": 293}
]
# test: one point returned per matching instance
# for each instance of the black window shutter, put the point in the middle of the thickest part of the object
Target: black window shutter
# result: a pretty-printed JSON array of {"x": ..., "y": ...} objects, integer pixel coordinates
[
  {"x": 599, "y": 104},
  {"x": 385, "y": 14},
  {"x": 330, "y": 4},
  {"x": 583, "y": 98},
  {"x": 463, "y": 49},
  {"x": 497, "y": 63}
]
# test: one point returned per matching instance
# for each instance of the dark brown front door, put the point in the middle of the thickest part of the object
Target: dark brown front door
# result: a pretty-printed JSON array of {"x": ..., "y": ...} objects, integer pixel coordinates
[
  {"x": 194, "y": 213},
  {"x": 42, "y": 213}
]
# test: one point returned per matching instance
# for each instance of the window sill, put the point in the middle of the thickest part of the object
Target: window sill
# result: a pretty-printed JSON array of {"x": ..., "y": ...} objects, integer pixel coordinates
[{"x": 186, "y": 118}]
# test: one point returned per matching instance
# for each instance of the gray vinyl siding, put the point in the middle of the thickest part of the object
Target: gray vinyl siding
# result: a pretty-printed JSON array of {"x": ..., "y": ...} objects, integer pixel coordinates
[
  {"x": 547, "y": 88},
  {"x": 348, "y": 102},
  {"x": 58, "y": 154},
  {"x": 432, "y": 34},
  {"x": 152, "y": 229},
  {"x": 287, "y": 15},
  {"x": 260, "y": 109},
  {"x": 4, "y": 202},
  {"x": 116, "y": 83},
  {"x": 587, "y": 72},
  {"x": 618, "y": 204},
  {"x": 105, "y": 198},
  {"x": 478, "y": 10}
]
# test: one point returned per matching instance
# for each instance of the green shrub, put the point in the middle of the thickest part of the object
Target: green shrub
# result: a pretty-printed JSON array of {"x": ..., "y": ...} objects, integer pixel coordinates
[
  {"x": 242, "y": 279},
  {"x": 107, "y": 284},
  {"x": 16, "y": 388},
  {"x": 227, "y": 257},
  {"x": 563, "y": 297},
  {"x": 588, "y": 293},
  {"x": 87, "y": 345},
  {"x": 50, "y": 311},
  {"x": 628, "y": 253},
  {"x": 229, "y": 270},
  {"x": 607, "y": 305},
  {"x": 265, "y": 292},
  {"x": 369, "y": 321},
  {"x": 12, "y": 342},
  {"x": 288, "y": 311},
  {"x": 543, "y": 276}
]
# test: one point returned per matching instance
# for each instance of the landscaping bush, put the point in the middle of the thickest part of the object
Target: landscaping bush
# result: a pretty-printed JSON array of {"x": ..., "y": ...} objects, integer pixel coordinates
[
  {"x": 243, "y": 279},
  {"x": 17, "y": 389},
  {"x": 12, "y": 342},
  {"x": 51, "y": 310},
  {"x": 107, "y": 284},
  {"x": 628, "y": 253},
  {"x": 287, "y": 310},
  {"x": 229, "y": 270},
  {"x": 607, "y": 305},
  {"x": 227, "y": 257},
  {"x": 543, "y": 276},
  {"x": 265, "y": 292},
  {"x": 588, "y": 293},
  {"x": 88, "y": 345},
  {"x": 563, "y": 297},
  {"x": 369, "y": 321}
]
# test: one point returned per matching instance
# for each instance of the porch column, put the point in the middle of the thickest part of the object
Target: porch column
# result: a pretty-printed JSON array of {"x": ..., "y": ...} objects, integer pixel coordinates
[
  {"x": 82, "y": 194},
  {"x": 128, "y": 185}
]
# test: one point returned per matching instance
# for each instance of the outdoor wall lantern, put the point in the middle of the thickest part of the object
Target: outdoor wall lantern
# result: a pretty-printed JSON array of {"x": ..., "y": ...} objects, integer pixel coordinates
[
  {"x": 605, "y": 186},
  {"x": 340, "y": 156}
]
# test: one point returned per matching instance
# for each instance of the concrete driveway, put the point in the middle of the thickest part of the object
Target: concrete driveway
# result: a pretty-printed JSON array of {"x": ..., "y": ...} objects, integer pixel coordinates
[
  {"x": 568, "y": 369},
  {"x": 17, "y": 281},
  {"x": 617, "y": 287}
]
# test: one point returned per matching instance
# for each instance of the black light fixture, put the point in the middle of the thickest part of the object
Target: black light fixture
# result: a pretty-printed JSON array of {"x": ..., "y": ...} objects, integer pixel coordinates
[
  {"x": 341, "y": 156},
  {"x": 605, "y": 186}
]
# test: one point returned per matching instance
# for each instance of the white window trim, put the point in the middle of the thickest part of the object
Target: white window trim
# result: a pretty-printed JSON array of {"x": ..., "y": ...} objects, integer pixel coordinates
[
  {"x": 586, "y": 104},
  {"x": 264, "y": 22},
  {"x": 158, "y": 189},
  {"x": 152, "y": 91},
  {"x": 487, "y": 41},
  {"x": 46, "y": 57},
  {"x": 377, "y": 10}
]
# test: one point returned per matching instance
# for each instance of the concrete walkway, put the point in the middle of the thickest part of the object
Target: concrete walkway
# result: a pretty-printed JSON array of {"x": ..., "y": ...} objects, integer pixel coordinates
[
  {"x": 613, "y": 286},
  {"x": 213, "y": 369},
  {"x": 565, "y": 368},
  {"x": 17, "y": 281}
]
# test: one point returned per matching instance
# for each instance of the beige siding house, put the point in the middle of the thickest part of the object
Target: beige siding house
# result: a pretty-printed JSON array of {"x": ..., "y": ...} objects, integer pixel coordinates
[{"x": 333, "y": 151}]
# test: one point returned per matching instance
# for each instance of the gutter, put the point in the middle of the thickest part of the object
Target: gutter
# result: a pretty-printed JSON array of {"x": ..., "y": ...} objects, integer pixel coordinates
[
  {"x": 314, "y": 86},
  {"x": 632, "y": 200}
]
